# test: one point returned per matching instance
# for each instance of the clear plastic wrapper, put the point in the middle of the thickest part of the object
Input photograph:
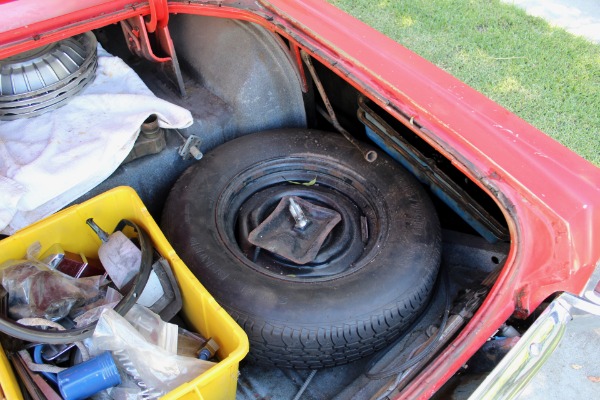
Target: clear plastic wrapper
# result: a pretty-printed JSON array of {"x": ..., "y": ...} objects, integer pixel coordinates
[
  {"x": 189, "y": 343},
  {"x": 153, "y": 328},
  {"x": 35, "y": 291},
  {"x": 132, "y": 386},
  {"x": 159, "y": 369},
  {"x": 92, "y": 315},
  {"x": 33, "y": 251}
]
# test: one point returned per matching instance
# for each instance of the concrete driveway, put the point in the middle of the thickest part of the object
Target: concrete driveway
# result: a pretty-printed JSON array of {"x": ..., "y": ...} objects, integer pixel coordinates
[{"x": 580, "y": 17}]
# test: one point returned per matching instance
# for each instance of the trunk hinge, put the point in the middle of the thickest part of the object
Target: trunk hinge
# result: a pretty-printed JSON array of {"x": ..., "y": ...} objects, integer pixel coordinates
[{"x": 137, "y": 31}]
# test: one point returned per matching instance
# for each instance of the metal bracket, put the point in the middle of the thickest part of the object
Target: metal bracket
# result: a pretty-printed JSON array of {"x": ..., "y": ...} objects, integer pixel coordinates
[
  {"x": 299, "y": 238},
  {"x": 136, "y": 31},
  {"x": 159, "y": 15},
  {"x": 190, "y": 148}
]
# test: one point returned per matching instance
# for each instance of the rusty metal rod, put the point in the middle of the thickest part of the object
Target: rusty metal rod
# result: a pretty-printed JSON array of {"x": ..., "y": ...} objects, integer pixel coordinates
[{"x": 369, "y": 155}]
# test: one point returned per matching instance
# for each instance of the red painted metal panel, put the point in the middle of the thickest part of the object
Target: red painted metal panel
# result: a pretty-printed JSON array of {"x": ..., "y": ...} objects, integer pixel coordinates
[
  {"x": 27, "y": 13},
  {"x": 26, "y": 24}
]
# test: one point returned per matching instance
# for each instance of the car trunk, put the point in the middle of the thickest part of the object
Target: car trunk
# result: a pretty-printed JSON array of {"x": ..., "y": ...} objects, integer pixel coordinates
[{"x": 241, "y": 78}]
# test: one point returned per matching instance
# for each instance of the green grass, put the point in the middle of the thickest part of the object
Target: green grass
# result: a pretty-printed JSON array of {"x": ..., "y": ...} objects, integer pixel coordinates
[{"x": 545, "y": 75}]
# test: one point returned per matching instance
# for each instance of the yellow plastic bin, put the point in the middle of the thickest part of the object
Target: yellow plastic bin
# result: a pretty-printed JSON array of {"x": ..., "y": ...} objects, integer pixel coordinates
[{"x": 200, "y": 309}]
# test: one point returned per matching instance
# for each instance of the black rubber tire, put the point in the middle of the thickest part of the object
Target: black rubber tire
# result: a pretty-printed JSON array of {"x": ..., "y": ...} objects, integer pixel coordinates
[{"x": 311, "y": 323}]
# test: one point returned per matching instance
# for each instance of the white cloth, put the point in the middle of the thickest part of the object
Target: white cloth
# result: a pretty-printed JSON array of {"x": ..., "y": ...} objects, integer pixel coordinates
[{"x": 50, "y": 160}]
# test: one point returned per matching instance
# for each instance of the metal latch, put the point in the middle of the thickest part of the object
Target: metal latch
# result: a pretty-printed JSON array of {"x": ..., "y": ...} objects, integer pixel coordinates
[{"x": 137, "y": 33}]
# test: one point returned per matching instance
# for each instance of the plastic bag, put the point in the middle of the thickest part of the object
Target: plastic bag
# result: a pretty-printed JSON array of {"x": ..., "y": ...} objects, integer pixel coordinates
[
  {"x": 36, "y": 291},
  {"x": 153, "y": 328},
  {"x": 132, "y": 386},
  {"x": 93, "y": 311},
  {"x": 92, "y": 315},
  {"x": 157, "y": 368},
  {"x": 189, "y": 343}
]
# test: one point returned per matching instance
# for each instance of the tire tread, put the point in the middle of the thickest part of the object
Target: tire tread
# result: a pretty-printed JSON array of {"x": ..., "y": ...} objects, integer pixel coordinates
[{"x": 278, "y": 345}]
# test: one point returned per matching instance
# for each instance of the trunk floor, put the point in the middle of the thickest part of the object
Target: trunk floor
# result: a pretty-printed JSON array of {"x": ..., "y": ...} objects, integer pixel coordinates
[{"x": 466, "y": 259}]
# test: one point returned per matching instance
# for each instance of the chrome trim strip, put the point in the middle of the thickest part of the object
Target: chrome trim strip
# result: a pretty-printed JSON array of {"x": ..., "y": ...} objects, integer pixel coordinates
[{"x": 519, "y": 366}]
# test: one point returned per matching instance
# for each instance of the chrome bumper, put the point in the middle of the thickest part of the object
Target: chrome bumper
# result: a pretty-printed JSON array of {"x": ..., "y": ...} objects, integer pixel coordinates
[{"x": 522, "y": 363}]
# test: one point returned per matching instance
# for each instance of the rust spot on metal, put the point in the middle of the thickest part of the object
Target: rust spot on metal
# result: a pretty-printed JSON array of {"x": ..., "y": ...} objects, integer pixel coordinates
[
  {"x": 521, "y": 311},
  {"x": 298, "y": 60}
]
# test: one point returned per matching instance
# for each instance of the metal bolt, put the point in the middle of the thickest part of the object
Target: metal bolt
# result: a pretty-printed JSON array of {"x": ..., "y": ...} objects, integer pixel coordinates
[
  {"x": 196, "y": 153},
  {"x": 101, "y": 234},
  {"x": 298, "y": 215},
  {"x": 535, "y": 349}
]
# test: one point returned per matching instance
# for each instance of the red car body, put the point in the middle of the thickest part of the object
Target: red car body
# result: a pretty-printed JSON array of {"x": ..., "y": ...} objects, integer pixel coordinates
[{"x": 550, "y": 196}]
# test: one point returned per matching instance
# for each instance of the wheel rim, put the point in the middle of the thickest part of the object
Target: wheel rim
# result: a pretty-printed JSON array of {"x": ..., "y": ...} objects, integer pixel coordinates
[{"x": 254, "y": 193}]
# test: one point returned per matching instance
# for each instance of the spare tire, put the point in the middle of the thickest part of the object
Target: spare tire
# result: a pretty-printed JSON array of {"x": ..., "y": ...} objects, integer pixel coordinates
[{"x": 374, "y": 271}]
